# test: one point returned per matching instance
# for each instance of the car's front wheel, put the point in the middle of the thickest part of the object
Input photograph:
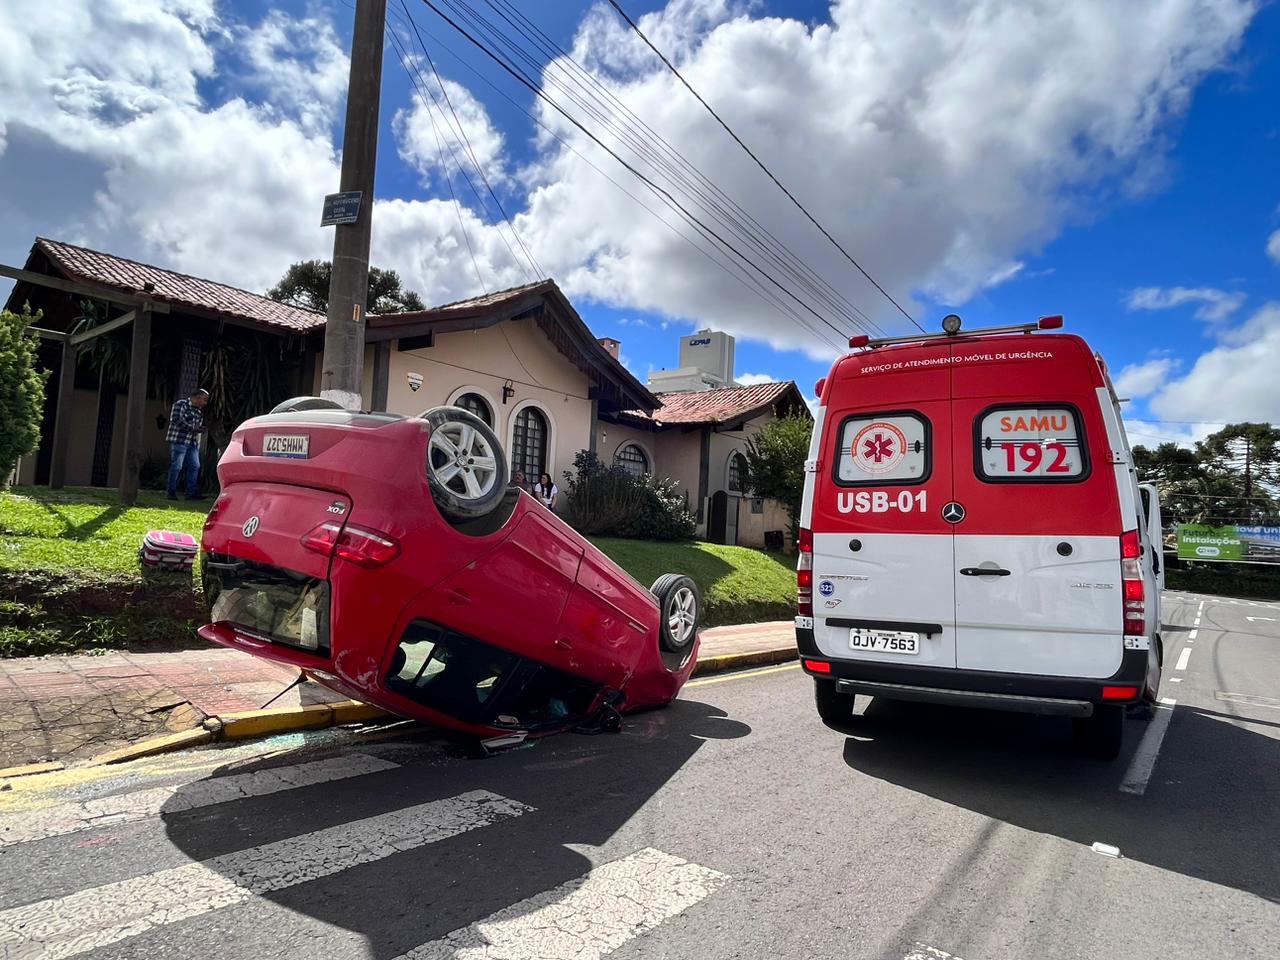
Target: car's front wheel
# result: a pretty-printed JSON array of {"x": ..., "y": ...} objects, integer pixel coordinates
[
  {"x": 680, "y": 604},
  {"x": 466, "y": 468},
  {"x": 835, "y": 708}
]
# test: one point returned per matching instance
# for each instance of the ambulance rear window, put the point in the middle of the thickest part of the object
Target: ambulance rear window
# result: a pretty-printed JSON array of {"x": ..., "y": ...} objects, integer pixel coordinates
[
  {"x": 1041, "y": 444},
  {"x": 883, "y": 448}
]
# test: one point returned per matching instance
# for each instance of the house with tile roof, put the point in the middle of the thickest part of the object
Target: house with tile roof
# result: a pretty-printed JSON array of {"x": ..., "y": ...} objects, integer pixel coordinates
[{"x": 522, "y": 359}]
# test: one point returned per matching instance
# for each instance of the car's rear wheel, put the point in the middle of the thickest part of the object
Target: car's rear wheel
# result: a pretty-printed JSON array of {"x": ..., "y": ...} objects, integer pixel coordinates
[
  {"x": 298, "y": 404},
  {"x": 466, "y": 468},
  {"x": 1101, "y": 734},
  {"x": 835, "y": 708},
  {"x": 681, "y": 606}
]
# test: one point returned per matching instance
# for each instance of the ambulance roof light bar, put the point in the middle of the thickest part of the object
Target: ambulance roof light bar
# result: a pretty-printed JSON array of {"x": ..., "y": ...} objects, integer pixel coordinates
[{"x": 951, "y": 330}]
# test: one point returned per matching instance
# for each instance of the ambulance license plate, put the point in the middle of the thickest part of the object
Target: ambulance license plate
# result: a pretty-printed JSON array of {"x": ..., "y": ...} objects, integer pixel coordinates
[
  {"x": 295, "y": 446},
  {"x": 884, "y": 641}
]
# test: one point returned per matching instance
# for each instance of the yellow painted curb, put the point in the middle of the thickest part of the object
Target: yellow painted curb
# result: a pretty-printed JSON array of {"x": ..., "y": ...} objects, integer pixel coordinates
[
  {"x": 258, "y": 723},
  {"x": 737, "y": 661},
  {"x": 353, "y": 711},
  {"x": 30, "y": 769},
  {"x": 148, "y": 748}
]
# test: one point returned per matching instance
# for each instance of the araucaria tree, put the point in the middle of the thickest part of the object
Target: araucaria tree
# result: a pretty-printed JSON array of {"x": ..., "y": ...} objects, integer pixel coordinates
[{"x": 21, "y": 390}]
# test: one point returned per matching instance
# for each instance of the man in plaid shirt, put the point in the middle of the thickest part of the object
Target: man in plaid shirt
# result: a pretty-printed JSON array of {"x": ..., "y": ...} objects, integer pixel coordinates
[{"x": 186, "y": 423}]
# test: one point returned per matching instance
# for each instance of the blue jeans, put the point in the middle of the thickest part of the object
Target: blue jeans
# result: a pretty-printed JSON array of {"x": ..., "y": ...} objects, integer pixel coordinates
[{"x": 188, "y": 455}]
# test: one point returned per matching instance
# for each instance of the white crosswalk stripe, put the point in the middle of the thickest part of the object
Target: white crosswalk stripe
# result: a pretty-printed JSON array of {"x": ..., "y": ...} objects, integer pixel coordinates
[
  {"x": 64, "y": 818},
  {"x": 93, "y": 918},
  {"x": 584, "y": 919}
]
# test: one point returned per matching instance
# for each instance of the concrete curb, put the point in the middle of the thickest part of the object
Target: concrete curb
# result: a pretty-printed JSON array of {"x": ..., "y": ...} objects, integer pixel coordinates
[
  {"x": 738, "y": 661},
  {"x": 248, "y": 724}
]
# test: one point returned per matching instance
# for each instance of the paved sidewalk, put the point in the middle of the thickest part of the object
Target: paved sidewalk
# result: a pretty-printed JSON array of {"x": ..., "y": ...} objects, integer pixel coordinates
[{"x": 74, "y": 708}]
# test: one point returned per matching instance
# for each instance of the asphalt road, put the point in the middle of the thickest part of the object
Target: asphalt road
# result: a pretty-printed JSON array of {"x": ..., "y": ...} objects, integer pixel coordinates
[{"x": 731, "y": 825}]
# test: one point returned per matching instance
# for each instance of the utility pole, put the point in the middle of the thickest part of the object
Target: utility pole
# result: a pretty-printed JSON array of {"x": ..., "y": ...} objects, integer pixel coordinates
[{"x": 342, "y": 369}]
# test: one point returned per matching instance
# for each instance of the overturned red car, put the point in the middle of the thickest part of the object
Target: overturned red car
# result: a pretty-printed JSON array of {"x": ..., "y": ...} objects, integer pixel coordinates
[{"x": 387, "y": 557}]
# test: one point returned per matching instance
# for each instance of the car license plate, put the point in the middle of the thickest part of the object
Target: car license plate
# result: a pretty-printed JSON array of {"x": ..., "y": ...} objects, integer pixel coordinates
[
  {"x": 286, "y": 445},
  {"x": 884, "y": 641}
]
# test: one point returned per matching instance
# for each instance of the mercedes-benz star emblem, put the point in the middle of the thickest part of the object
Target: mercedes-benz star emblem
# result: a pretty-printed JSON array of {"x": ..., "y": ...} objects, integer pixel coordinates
[
  {"x": 250, "y": 527},
  {"x": 953, "y": 512}
]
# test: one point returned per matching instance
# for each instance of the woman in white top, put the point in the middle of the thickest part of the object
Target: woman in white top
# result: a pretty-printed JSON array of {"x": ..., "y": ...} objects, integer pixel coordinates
[{"x": 546, "y": 491}]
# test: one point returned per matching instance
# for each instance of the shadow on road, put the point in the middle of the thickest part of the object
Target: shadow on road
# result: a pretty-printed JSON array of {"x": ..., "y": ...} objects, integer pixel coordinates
[
  {"x": 582, "y": 789},
  {"x": 1208, "y": 810}
]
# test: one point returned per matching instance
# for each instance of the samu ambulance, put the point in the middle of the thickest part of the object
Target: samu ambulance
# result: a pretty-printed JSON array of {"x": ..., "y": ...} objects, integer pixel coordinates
[{"x": 973, "y": 532}]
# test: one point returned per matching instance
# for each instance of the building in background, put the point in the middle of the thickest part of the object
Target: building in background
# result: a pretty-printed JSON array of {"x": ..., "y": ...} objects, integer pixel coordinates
[{"x": 522, "y": 360}]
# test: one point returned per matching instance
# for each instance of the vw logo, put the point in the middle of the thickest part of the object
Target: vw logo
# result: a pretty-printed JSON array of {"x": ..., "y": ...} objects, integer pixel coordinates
[
  {"x": 953, "y": 512},
  {"x": 250, "y": 527}
]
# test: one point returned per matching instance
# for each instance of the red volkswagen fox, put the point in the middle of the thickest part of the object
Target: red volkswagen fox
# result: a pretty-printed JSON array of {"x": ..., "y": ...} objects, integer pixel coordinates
[{"x": 387, "y": 557}]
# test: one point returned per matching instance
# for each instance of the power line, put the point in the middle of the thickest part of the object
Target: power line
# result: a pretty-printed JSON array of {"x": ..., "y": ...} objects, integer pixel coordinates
[
  {"x": 656, "y": 188},
  {"x": 647, "y": 142},
  {"x": 760, "y": 163},
  {"x": 733, "y": 270},
  {"x": 467, "y": 143}
]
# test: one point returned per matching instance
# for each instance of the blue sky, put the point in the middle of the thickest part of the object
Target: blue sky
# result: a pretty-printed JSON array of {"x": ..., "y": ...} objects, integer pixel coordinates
[{"x": 1118, "y": 165}]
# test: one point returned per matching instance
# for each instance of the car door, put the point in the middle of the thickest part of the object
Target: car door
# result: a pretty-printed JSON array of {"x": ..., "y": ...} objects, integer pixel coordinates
[{"x": 1037, "y": 555}]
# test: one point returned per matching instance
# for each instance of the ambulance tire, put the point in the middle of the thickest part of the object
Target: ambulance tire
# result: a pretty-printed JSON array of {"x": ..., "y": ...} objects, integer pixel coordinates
[
  {"x": 835, "y": 708},
  {"x": 1101, "y": 735},
  {"x": 298, "y": 404}
]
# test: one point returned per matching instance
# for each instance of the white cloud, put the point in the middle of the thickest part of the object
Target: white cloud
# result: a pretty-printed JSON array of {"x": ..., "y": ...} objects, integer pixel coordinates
[
  {"x": 942, "y": 140},
  {"x": 428, "y": 130},
  {"x": 1143, "y": 379},
  {"x": 751, "y": 379},
  {"x": 1273, "y": 247},
  {"x": 1215, "y": 305},
  {"x": 1233, "y": 382}
]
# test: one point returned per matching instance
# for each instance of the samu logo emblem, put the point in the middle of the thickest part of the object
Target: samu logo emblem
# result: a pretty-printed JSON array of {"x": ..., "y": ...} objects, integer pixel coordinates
[{"x": 250, "y": 527}]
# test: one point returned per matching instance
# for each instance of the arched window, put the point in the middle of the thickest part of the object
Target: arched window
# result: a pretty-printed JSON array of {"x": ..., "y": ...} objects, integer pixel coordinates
[
  {"x": 737, "y": 470},
  {"x": 529, "y": 443},
  {"x": 474, "y": 403},
  {"x": 632, "y": 459}
]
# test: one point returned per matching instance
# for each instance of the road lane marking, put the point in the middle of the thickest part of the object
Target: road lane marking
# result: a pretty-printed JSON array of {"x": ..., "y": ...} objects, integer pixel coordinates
[
  {"x": 1256, "y": 619},
  {"x": 1193, "y": 634},
  {"x": 64, "y": 818},
  {"x": 584, "y": 919},
  {"x": 742, "y": 675},
  {"x": 1196, "y": 623},
  {"x": 1144, "y": 758},
  {"x": 922, "y": 951},
  {"x": 1250, "y": 699},
  {"x": 93, "y": 918},
  {"x": 1200, "y": 609},
  {"x": 1183, "y": 658}
]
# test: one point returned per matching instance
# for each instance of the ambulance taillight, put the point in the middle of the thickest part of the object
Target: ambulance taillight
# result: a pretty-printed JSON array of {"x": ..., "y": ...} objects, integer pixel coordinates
[
  {"x": 1135, "y": 595},
  {"x": 804, "y": 573}
]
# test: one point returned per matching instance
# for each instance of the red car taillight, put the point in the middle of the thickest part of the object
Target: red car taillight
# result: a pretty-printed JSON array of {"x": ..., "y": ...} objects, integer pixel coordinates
[
  {"x": 368, "y": 548},
  {"x": 1135, "y": 591},
  {"x": 804, "y": 573}
]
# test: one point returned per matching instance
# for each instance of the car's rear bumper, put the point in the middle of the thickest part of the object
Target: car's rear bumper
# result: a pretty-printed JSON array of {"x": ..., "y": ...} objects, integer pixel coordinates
[{"x": 1027, "y": 693}]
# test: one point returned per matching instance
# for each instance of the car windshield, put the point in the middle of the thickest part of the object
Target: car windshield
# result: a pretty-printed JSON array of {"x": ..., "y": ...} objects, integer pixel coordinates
[{"x": 479, "y": 683}]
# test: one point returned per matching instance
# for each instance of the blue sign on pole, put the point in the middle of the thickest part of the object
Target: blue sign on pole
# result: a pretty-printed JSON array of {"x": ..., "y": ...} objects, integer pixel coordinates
[{"x": 341, "y": 208}]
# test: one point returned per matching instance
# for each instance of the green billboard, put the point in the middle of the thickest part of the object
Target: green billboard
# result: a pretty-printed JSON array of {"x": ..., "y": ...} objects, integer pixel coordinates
[{"x": 1197, "y": 541}]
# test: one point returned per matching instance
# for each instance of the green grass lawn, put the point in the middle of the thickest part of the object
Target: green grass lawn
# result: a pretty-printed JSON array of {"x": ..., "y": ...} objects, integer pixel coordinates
[
  {"x": 86, "y": 530},
  {"x": 69, "y": 575}
]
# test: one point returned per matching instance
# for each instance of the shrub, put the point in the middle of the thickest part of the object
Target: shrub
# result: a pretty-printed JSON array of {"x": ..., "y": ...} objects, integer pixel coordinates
[
  {"x": 607, "y": 501},
  {"x": 21, "y": 390}
]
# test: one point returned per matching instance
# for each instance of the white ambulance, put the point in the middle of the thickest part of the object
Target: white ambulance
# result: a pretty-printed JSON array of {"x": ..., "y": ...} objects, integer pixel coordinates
[{"x": 973, "y": 532}]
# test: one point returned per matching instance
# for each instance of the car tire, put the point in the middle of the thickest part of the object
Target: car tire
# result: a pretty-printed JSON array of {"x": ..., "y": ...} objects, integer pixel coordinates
[
  {"x": 680, "y": 609},
  {"x": 835, "y": 708},
  {"x": 466, "y": 468},
  {"x": 1102, "y": 734},
  {"x": 298, "y": 404}
]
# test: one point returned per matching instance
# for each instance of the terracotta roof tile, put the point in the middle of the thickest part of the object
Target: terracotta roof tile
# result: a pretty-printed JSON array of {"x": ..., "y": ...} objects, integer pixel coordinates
[
  {"x": 715, "y": 406},
  {"x": 180, "y": 289}
]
